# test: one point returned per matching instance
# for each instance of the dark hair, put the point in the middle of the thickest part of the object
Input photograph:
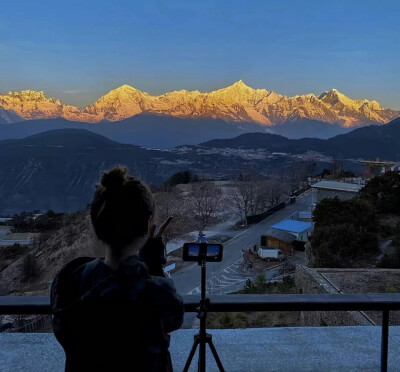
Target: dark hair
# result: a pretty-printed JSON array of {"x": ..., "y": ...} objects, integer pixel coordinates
[{"x": 121, "y": 208}]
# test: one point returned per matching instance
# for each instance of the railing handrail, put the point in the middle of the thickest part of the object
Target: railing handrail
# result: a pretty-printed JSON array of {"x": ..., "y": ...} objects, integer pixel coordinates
[
  {"x": 384, "y": 302},
  {"x": 240, "y": 302}
]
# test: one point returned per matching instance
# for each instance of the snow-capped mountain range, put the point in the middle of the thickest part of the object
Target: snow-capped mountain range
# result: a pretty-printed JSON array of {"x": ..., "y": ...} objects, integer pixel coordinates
[{"x": 237, "y": 103}]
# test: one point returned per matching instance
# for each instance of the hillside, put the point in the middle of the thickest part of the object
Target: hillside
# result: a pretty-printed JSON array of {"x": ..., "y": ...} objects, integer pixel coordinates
[
  {"x": 363, "y": 143},
  {"x": 58, "y": 169},
  {"x": 50, "y": 253},
  {"x": 156, "y": 131}
]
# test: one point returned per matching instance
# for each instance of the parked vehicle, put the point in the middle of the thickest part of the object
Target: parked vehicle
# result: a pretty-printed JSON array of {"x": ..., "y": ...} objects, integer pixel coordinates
[{"x": 271, "y": 254}]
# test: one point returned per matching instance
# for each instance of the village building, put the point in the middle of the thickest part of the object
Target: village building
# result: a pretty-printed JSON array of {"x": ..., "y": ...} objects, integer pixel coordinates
[
  {"x": 374, "y": 168},
  {"x": 333, "y": 189},
  {"x": 274, "y": 238},
  {"x": 299, "y": 229}
]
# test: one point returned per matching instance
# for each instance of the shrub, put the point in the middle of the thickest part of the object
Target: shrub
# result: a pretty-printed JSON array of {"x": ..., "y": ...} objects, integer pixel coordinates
[
  {"x": 29, "y": 267},
  {"x": 343, "y": 233},
  {"x": 391, "y": 258},
  {"x": 383, "y": 193}
]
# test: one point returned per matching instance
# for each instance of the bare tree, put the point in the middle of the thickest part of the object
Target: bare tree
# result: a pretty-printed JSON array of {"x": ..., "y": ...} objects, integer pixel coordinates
[
  {"x": 205, "y": 199},
  {"x": 244, "y": 199},
  {"x": 298, "y": 172},
  {"x": 173, "y": 203},
  {"x": 254, "y": 196},
  {"x": 274, "y": 188}
]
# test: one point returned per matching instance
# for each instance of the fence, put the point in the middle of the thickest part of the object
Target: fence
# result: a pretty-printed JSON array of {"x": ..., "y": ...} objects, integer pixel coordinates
[
  {"x": 384, "y": 302},
  {"x": 269, "y": 212}
]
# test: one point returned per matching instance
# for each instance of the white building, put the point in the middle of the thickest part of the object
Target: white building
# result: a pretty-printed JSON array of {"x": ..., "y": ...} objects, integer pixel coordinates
[{"x": 332, "y": 189}]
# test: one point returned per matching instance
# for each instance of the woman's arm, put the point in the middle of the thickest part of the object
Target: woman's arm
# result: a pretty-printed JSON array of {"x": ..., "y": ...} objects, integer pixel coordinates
[
  {"x": 153, "y": 255},
  {"x": 153, "y": 252}
]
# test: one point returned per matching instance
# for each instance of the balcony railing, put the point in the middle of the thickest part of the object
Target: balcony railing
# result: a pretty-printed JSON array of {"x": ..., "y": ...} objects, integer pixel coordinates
[{"x": 384, "y": 302}]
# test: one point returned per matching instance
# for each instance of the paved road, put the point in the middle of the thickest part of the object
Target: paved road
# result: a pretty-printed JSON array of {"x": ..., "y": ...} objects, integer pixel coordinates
[{"x": 228, "y": 273}]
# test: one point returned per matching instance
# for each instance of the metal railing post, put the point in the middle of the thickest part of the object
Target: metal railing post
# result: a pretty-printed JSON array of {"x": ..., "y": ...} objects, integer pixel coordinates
[
  {"x": 384, "y": 302},
  {"x": 385, "y": 340}
]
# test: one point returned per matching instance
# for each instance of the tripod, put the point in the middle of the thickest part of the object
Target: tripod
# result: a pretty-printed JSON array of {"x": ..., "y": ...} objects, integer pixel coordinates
[{"x": 202, "y": 338}]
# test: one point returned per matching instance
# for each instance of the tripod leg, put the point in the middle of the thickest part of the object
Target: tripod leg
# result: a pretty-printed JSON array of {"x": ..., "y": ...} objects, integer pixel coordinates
[
  {"x": 215, "y": 354},
  {"x": 202, "y": 356},
  {"x": 191, "y": 355}
]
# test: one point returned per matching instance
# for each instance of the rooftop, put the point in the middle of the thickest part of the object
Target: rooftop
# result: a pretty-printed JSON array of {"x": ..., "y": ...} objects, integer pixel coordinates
[
  {"x": 253, "y": 349},
  {"x": 279, "y": 234},
  {"x": 378, "y": 162},
  {"x": 304, "y": 215},
  {"x": 292, "y": 226},
  {"x": 336, "y": 185}
]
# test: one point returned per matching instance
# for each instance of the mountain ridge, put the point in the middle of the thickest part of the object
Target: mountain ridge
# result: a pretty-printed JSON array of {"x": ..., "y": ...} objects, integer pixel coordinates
[
  {"x": 365, "y": 143},
  {"x": 235, "y": 103},
  {"x": 58, "y": 169},
  {"x": 149, "y": 130}
]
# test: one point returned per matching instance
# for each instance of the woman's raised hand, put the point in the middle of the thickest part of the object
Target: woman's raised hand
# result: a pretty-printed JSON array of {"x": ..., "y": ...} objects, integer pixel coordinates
[{"x": 152, "y": 230}]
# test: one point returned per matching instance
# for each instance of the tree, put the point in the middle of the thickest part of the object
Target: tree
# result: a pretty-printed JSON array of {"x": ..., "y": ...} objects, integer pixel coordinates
[
  {"x": 29, "y": 267},
  {"x": 243, "y": 199},
  {"x": 383, "y": 193},
  {"x": 254, "y": 196},
  {"x": 343, "y": 233},
  {"x": 274, "y": 188},
  {"x": 183, "y": 177},
  {"x": 172, "y": 203},
  {"x": 298, "y": 172},
  {"x": 205, "y": 199},
  {"x": 50, "y": 213},
  {"x": 391, "y": 257}
]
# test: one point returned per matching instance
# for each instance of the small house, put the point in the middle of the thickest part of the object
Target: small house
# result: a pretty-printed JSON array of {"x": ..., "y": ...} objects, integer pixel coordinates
[
  {"x": 305, "y": 216},
  {"x": 332, "y": 189},
  {"x": 299, "y": 229},
  {"x": 273, "y": 238}
]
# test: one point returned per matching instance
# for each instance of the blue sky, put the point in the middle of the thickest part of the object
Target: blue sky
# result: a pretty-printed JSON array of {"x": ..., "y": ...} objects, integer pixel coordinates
[{"x": 79, "y": 50}]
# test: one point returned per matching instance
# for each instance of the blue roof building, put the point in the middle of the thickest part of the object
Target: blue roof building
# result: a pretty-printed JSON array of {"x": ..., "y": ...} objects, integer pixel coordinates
[{"x": 299, "y": 229}]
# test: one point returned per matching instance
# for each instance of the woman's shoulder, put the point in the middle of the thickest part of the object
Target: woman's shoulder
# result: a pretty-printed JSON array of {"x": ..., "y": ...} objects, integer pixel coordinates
[
  {"x": 162, "y": 290},
  {"x": 65, "y": 283},
  {"x": 76, "y": 264}
]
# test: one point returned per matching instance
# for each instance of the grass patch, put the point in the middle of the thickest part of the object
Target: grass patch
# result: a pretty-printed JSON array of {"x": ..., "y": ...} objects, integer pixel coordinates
[{"x": 258, "y": 319}]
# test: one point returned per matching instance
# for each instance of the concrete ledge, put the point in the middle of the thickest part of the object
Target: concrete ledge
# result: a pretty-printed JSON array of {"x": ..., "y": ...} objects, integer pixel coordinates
[{"x": 257, "y": 349}]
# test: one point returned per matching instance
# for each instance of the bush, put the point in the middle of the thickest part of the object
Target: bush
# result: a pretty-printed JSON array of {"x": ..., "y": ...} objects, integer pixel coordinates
[
  {"x": 343, "y": 233},
  {"x": 50, "y": 221},
  {"x": 392, "y": 290},
  {"x": 383, "y": 193},
  {"x": 183, "y": 177},
  {"x": 261, "y": 286},
  {"x": 391, "y": 258},
  {"x": 342, "y": 245},
  {"x": 29, "y": 267},
  {"x": 258, "y": 319},
  {"x": 12, "y": 252},
  {"x": 332, "y": 211}
]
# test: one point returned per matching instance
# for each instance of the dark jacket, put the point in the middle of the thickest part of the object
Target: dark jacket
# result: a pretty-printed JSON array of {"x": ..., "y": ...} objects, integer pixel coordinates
[{"x": 116, "y": 320}]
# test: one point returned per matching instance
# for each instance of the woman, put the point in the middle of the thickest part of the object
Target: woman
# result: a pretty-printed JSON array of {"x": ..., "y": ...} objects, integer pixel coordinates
[{"x": 114, "y": 314}]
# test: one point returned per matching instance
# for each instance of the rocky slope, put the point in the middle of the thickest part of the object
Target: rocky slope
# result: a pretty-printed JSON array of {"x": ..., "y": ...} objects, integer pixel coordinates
[
  {"x": 238, "y": 103},
  {"x": 51, "y": 252}
]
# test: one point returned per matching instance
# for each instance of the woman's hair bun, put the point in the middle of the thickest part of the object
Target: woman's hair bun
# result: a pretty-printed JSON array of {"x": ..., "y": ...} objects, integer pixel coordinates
[{"x": 114, "y": 179}]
